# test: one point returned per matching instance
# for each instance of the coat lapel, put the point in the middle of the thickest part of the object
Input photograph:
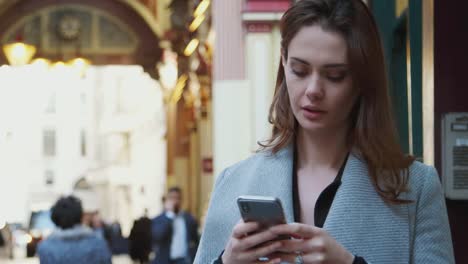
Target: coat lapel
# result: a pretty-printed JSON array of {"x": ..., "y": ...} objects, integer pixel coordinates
[
  {"x": 363, "y": 223},
  {"x": 274, "y": 178}
]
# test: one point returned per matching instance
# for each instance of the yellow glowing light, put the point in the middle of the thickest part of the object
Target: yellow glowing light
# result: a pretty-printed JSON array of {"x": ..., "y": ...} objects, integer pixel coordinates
[
  {"x": 179, "y": 88},
  {"x": 19, "y": 53},
  {"x": 80, "y": 65},
  {"x": 41, "y": 63},
  {"x": 196, "y": 23},
  {"x": 59, "y": 65},
  {"x": 193, "y": 44},
  {"x": 201, "y": 8},
  {"x": 28, "y": 238},
  {"x": 168, "y": 75}
]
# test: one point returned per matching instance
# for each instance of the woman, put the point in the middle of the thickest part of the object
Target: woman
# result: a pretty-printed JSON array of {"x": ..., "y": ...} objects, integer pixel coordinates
[
  {"x": 72, "y": 242},
  {"x": 333, "y": 158}
]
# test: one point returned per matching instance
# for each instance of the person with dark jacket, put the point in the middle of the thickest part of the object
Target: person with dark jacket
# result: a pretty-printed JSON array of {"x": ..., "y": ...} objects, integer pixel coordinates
[
  {"x": 140, "y": 240},
  {"x": 175, "y": 232},
  {"x": 72, "y": 242}
]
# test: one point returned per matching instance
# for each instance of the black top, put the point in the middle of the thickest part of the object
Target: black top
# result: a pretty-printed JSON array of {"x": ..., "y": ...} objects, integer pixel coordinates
[
  {"x": 322, "y": 206},
  {"x": 324, "y": 201}
]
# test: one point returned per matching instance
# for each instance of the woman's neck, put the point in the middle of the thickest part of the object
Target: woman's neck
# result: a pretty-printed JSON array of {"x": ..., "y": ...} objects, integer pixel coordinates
[{"x": 324, "y": 150}]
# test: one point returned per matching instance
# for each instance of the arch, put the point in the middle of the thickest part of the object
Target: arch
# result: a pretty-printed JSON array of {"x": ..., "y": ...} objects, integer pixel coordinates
[
  {"x": 131, "y": 13},
  {"x": 136, "y": 6}
]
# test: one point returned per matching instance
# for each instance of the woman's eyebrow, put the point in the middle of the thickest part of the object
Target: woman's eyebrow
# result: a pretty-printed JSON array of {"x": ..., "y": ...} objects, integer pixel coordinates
[
  {"x": 329, "y": 65},
  {"x": 335, "y": 65},
  {"x": 300, "y": 60}
]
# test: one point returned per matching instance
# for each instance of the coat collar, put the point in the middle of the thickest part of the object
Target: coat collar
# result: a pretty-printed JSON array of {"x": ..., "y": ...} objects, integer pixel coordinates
[{"x": 76, "y": 232}]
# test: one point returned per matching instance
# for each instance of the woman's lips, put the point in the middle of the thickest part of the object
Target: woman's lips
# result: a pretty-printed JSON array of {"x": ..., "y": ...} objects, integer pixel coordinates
[{"x": 312, "y": 114}]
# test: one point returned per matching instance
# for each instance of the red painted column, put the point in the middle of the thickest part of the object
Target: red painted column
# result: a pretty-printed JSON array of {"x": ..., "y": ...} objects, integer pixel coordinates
[
  {"x": 266, "y": 5},
  {"x": 254, "y": 12}
]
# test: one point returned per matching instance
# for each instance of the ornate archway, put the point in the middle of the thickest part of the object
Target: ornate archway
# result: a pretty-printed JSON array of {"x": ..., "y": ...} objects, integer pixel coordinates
[{"x": 111, "y": 32}]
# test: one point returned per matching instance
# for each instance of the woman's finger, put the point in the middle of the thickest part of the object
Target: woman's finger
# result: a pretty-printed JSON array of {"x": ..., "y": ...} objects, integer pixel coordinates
[
  {"x": 296, "y": 230},
  {"x": 263, "y": 251},
  {"x": 313, "y": 258},
  {"x": 241, "y": 229},
  {"x": 257, "y": 239},
  {"x": 285, "y": 257},
  {"x": 275, "y": 261},
  {"x": 318, "y": 257},
  {"x": 294, "y": 245}
]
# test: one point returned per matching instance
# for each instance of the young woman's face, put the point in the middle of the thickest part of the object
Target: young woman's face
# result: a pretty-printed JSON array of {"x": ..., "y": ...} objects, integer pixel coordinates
[{"x": 319, "y": 81}]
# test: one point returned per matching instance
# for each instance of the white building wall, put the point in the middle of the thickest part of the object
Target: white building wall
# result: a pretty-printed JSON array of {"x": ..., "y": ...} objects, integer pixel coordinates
[
  {"x": 262, "y": 64},
  {"x": 131, "y": 128},
  {"x": 25, "y": 96},
  {"x": 90, "y": 104}
]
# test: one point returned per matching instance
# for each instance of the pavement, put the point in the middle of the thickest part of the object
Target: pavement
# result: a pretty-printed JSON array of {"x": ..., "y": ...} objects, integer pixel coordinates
[{"x": 5, "y": 260}]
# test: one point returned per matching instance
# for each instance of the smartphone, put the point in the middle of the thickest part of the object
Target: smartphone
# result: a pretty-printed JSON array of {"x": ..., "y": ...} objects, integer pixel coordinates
[{"x": 267, "y": 211}]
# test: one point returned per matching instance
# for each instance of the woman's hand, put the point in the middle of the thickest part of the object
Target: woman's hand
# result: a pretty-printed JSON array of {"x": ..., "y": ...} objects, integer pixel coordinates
[
  {"x": 244, "y": 249},
  {"x": 314, "y": 244}
]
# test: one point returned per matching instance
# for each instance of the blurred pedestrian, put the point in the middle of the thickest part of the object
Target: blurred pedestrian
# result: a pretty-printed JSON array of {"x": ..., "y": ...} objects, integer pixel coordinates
[
  {"x": 2, "y": 241},
  {"x": 72, "y": 242},
  {"x": 101, "y": 228},
  {"x": 140, "y": 240},
  {"x": 175, "y": 232}
]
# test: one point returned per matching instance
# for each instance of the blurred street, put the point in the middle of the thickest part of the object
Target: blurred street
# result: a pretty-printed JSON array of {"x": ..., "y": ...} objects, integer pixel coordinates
[{"x": 4, "y": 260}]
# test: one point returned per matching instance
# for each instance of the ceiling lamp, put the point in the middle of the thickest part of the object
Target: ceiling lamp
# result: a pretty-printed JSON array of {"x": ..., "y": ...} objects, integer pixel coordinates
[
  {"x": 79, "y": 64},
  {"x": 41, "y": 63},
  {"x": 19, "y": 53}
]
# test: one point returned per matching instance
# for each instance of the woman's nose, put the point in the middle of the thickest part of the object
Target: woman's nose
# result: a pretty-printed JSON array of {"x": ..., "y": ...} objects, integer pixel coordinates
[{"x": 314, "y": 90}]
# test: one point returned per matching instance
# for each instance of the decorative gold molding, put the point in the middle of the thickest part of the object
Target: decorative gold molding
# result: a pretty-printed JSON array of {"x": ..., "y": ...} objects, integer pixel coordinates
[
  {"x": 400, "y": 6},
  {"x": 93, "y": 11},
  {"x": 136, "y": 6},
  {"x": 145, "y": 14}
]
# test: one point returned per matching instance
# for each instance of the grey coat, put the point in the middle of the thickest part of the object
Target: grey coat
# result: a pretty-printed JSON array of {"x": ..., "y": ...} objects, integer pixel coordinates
[{"x": 358, "y": 218}]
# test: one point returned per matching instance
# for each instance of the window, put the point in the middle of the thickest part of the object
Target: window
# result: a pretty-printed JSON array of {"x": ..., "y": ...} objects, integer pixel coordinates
[
  {"x": 49, "y": 177},
  {"x": 83, "y": 143},
  {"x": 48, "y": 142}
]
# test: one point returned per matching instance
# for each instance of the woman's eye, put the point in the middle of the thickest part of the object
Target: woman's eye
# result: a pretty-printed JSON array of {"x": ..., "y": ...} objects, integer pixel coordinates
[
  {"x": 299, "y": 73},
  {"x": 336, "y": 77}
]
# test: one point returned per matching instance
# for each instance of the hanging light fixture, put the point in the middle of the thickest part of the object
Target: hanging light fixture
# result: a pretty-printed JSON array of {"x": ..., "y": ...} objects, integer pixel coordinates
[
  {"x": 79, "y": 64},
  {"x": 196, "y": 23},
  {"x": 41, "y": 63},
  {"x": 193, "y": 44},
  {"x": 19, "y": 53},
  {"x": 201, "y": 8}
]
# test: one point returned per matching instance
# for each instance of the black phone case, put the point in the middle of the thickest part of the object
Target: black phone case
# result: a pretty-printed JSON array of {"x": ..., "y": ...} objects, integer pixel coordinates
[{"x": 266, "y": 212}]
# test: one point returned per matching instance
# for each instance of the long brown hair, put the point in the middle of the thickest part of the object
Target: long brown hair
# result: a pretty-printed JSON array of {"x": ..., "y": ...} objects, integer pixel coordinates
[{"x": 372, "y": 131}]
